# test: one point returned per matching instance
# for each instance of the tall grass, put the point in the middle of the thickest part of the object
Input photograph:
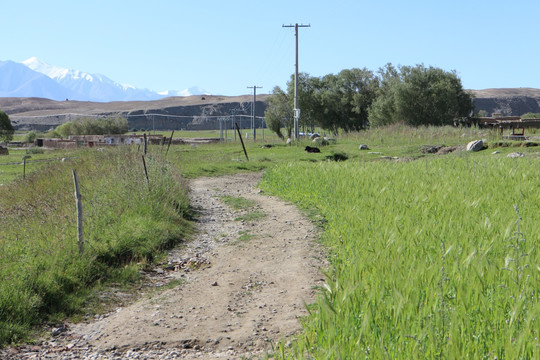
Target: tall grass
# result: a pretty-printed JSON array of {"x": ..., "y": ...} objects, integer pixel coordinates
[
  {"x": 126, "y": 219},
  {"x": 11, "y": 166},
  {"x": 421, "y": 260}
]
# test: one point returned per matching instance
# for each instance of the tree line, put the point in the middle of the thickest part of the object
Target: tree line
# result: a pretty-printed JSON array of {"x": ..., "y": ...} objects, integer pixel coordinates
[
  {"x": 81, "y": 126},
  {"x": 90, "y": 126},
  {"x": 355, "y": 99}
]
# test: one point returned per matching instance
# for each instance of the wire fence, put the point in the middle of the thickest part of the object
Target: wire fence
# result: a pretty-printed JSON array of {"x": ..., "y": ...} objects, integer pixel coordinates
[{"x": 160, "y": 121}]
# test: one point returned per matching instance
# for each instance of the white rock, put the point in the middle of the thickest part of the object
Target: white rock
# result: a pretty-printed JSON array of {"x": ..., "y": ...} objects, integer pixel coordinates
[
  {"x": 475, "y": 145},
  {"x": 515, "y": 155}
]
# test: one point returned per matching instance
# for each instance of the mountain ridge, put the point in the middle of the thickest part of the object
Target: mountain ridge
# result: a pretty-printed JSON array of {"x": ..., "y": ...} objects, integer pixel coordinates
[
  {"x": 59, "y": 84},
  {"x": 507, "y": 101},
  {"x": 170, "y": 113}
]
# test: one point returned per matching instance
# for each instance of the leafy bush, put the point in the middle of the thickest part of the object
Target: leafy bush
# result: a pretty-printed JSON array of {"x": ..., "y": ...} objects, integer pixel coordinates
[
  {"x": 30, "y": 137},
  {"x": 53, "y": 134},
  {"x": 531, "y": 116},
  {"x": 35, "y": 150}
]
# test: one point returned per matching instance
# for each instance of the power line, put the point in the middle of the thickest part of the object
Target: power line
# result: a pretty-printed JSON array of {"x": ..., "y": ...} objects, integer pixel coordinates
[{"x": 274, "y": 58}]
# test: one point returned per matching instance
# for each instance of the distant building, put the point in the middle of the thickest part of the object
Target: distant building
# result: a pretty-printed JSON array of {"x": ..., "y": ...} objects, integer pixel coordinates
[{"x": 76, "y": 141}]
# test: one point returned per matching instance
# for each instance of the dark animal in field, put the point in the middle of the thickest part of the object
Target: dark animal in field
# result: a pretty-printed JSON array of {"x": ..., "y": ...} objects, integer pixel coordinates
[{"x": 310, "y": 149}]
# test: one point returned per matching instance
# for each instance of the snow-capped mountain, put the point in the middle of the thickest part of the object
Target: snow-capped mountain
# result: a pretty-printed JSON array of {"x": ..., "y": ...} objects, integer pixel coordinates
[
  {"x": 54, "y": 72},
  {"x": 17, "y": 80},
  {"x": 92, "y": 87},
  {"x": 41, "y": 79}
]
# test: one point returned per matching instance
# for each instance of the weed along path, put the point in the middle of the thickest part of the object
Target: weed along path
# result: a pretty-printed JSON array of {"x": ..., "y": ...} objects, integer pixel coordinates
[{"x": 245, "y": 280}]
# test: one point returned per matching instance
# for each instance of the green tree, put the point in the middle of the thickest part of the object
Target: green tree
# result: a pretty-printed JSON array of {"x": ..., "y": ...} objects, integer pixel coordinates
[
  {"x": 329, "y": 117},
  {"x": 64, "y": 130},
  {"x": 30, "y": 137},
  {"x": 357, "y": 90},
  {"x": 419, "y": 95},
  {"x": 482, "y": 113},
  {"x": 383, "y": 108},
  {"x": 335, "y": 102},
  {"x": 279, "y": 113},
  {"x": 6, "y": 129},
  {"x": 531, "y": 116},
  {"x": 308, "y": 88},
  {"x": 89, "y": 126}
]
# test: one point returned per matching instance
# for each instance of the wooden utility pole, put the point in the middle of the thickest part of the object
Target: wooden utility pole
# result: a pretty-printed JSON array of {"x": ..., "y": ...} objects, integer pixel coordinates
[
  {"x": 296, "y": 109},
  {"x": 254, "y": 87}
]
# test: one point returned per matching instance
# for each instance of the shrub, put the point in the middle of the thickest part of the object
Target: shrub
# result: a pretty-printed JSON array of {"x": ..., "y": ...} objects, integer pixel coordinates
[
  {"x": 89, "y": 126},
  {"x": 340, "y": 156},
  {"x": 35, "y": 150},
  {"x": 30, "y": 137}
]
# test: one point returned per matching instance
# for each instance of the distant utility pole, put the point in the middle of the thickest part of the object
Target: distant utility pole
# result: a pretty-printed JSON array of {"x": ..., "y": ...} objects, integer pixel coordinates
[
  {"x": 296, "y": 109},
  {"x": 232, "y": 122},
  {"x": 254, "y": 87}
]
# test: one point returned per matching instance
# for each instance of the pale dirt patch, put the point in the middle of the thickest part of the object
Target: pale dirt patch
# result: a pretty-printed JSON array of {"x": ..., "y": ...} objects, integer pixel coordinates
[{"x": 241, "y": 295}]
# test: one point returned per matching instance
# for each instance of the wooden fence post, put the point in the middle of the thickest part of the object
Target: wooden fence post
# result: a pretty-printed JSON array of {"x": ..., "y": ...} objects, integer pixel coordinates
[
  {"x": 168, "y": 146},
  {"x": 79, "y": 213},
  {"x": 24, "y": 165},
  {"x": 240, "y": 136},
  {"x": 145, "y": 144},
  {"x": 146, "y": 171}
]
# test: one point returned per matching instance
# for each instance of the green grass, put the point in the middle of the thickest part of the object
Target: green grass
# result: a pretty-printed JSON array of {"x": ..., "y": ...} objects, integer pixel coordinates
[
  {"x": 417, "y": 246},
  {"x": 251, "y": 216},
  {"x": 228, "y": 134},
  {"x": 245, "y": 236},
  {"x": 418, "y": 251},
  {"x": 238, "y": 202},
  {"x": 396, "y": 141},
  {"x": 11, "y": 166},
  {"x": 127, "y": 220}
]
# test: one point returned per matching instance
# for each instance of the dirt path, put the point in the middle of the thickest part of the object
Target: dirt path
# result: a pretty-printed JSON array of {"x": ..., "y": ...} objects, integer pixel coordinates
[{"x": 246, "y": 283}]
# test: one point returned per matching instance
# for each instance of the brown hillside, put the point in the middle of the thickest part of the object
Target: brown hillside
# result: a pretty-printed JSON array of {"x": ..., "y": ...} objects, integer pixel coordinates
[
  {"x": 172, "y": 113},
  {"x": 41, "y": 106},
  {"x": 506, "y": 92},
  {"x": 508, "y": 101}
]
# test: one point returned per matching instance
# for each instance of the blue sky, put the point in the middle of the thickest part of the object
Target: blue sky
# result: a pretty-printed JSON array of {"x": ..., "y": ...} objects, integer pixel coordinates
[{"x": 226, "y": 46}]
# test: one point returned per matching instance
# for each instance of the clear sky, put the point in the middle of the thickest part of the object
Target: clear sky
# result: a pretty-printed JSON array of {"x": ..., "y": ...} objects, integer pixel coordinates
[{"x": 226, "y": 46}]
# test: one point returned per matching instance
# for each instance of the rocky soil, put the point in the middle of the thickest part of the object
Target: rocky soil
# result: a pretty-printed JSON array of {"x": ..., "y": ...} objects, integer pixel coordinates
[{"x": 243, "y": 287}]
